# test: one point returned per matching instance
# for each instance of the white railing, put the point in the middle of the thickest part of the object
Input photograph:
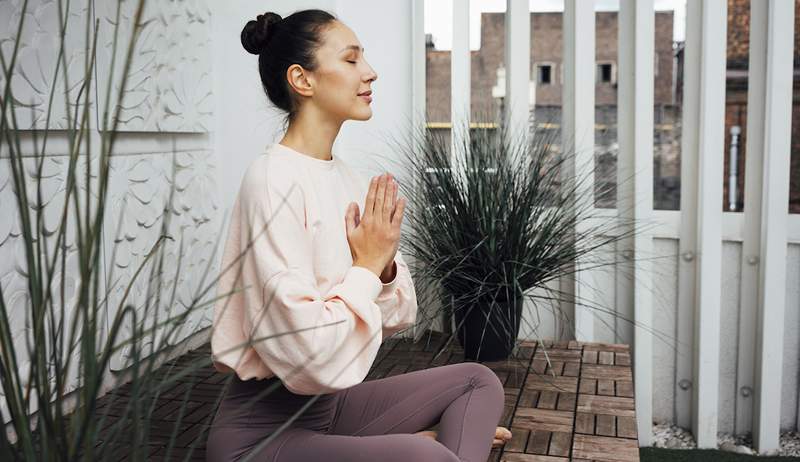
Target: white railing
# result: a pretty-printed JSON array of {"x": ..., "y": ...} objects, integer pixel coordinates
[{"x": 697, "y": 232}]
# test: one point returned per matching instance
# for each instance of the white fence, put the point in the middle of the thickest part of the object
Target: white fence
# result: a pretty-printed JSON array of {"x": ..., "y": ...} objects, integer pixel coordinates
[{"x": 723, "y": 286}]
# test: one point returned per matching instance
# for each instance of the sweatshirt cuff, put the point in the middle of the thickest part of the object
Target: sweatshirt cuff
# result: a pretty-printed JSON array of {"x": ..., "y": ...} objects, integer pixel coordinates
[{"x": 365, "y": 278}]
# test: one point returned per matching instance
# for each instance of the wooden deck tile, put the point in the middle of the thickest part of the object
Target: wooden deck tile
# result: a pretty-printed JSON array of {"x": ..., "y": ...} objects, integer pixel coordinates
[
  {"x": 517, "y": 457},
  {"x": 518, "y": 441},
  {"x": 606, "y": 425},
  {"x": 560, "y": 444},
  {"x": 626, "y": 427},
  {"x": 605, "y": 448},
  {"x": 605, "y": 387},
  {"x": 611, "y": 405},
  {"x": 550, "y": 383},
  {"x": 547, "y": 400},
  {"x": 602, "y": 371},
  {"x": 584, "y": 423},
  {"x": 543, "y": 419},
  {"x": 538, "y": 441},
  {"x": 558, "y": 355},
  {"x": 624, "y": 388}
]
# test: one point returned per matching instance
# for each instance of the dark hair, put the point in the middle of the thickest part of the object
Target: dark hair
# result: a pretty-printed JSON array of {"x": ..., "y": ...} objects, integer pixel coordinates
[{"x": 281, "y": 42}]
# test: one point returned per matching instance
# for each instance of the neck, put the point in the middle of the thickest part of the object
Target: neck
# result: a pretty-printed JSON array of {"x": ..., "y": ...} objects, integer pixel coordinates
[{"x": 313, "y": 133}]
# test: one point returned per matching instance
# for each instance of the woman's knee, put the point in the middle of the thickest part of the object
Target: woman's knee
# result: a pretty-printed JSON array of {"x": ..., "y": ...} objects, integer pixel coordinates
[{"x": 482, "y": 376}]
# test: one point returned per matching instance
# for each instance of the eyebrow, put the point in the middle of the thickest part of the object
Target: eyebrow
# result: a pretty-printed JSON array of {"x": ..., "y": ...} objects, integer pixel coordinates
[{"x": 351, "y": 47}]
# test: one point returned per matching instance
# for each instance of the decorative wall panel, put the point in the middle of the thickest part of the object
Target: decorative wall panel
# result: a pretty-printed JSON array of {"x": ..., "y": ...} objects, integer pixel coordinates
[{"x": 167, "y": 101}]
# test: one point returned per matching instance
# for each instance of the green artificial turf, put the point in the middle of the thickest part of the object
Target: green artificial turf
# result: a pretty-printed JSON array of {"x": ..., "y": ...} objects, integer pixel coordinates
[{"x": 702, "y": 455}]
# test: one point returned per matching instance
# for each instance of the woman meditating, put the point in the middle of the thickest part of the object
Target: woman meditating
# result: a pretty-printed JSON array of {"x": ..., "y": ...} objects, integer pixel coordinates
[{"x": 313, "y": 282}]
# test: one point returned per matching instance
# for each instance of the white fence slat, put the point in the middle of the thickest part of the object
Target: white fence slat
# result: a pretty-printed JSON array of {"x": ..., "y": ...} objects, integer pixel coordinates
[
  {"x": 635, "y": 189},
  {"x": 711, "y": 144},
  {"x": 460, "y": 82},
  {"x": 687, "y": 269},
  {"x": 751, "y": 226},
  {"x": 577, "y": 129},
  {"x": 774, "y": 214},
  {"x": 517, "y": 62}
]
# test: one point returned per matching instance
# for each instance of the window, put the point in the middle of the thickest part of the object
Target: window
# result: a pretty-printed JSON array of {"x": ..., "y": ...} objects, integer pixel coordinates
[
  {"x": 544, "y": 74},
  {"x": 605, "y": 73}
]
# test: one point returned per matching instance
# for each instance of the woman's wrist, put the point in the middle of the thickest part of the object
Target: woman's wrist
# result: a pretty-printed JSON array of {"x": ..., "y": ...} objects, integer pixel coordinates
[{"x": 389, "y": 272}]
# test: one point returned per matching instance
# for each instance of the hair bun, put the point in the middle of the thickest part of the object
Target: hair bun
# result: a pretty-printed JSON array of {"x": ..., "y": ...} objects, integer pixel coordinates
[{"x": 256, "y": 33}]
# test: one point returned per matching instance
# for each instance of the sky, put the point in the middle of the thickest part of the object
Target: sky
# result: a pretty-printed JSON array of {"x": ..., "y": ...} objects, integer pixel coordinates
[{"x": 439, "y": 13}]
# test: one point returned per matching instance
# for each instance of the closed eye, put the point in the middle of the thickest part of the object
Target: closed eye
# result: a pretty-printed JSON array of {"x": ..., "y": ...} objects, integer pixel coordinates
[{"x": 353, "y": 62}]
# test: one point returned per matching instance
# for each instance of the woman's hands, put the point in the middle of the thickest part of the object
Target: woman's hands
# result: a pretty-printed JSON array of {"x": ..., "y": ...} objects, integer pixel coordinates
[{"x": 375, "y": 235}]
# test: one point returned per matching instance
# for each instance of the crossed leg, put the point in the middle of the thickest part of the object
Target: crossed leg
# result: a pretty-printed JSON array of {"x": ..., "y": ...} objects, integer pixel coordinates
[{"x": 377, "y": 419}]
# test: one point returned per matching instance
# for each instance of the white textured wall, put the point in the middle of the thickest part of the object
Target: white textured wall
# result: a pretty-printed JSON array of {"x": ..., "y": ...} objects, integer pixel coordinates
[{"x": 163, "y": 129}]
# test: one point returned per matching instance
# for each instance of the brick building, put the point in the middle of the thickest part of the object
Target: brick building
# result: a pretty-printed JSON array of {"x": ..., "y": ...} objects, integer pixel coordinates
[
  {"x": 738, "y": 53},
  {"x": 547, "y": 74}
]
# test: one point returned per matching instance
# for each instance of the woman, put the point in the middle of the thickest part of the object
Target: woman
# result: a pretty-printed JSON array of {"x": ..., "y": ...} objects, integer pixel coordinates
[{"x": 311, "y": 286}]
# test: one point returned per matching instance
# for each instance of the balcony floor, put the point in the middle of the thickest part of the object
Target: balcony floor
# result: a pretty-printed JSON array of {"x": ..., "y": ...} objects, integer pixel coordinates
[{"x": 579, "y": 407}]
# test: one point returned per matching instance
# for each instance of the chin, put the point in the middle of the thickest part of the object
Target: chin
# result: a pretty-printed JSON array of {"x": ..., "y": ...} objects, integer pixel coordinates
[{"x": 363, "y": 115}]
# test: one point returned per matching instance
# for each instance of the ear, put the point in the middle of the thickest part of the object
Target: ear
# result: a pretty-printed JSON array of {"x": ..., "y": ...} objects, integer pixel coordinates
[{"x": 299, "y": 80}]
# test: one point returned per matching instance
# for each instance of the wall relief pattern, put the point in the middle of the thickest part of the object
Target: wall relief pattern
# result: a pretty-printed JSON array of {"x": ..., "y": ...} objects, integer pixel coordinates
[{"x": 169, "y": 98}]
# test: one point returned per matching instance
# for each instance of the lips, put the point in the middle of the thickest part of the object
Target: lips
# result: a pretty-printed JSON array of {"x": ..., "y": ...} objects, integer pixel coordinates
[{"x": 366, "y": 93}]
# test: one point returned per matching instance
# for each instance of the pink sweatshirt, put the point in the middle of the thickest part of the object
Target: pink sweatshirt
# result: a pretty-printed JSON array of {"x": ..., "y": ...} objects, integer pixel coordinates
[{"x": 300, "y": 309}]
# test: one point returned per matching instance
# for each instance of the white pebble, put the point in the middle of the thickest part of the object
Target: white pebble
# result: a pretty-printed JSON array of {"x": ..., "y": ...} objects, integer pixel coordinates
[{"x": 674, "y": 437}]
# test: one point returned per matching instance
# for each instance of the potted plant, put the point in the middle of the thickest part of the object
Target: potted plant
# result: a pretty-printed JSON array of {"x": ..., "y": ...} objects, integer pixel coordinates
[{"x": 491, "y": 225}]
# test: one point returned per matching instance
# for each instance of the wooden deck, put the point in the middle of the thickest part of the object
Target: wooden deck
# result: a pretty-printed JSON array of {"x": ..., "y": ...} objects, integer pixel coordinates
[{"x": 579, "y": 407}]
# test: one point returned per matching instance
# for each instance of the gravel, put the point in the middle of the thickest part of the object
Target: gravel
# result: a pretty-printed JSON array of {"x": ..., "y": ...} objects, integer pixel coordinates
[{"x": 674, "y": 437}]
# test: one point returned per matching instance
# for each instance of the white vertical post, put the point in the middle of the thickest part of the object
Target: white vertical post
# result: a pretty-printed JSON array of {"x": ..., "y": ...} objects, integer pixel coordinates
[
  {"x": 418, "y": 82},
  {"x": 684, "y": 361},
  {"x": 517, "y": 62},
  {"x": 635, "y": 187},
  {"x": 709, "y": 161},
  {"x": 418, "y": 60},
  {"x": 774, "y": 217},
  {"x": 577, "y": 131},
  {"x": 751, "y": 226},
  {"x": 460, "y": 82}
]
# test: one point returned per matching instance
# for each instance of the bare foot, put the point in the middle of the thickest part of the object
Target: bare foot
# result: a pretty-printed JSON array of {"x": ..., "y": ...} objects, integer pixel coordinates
[
  {"x": 428, "y": 433},
  {"x": 501, "y": 436}
]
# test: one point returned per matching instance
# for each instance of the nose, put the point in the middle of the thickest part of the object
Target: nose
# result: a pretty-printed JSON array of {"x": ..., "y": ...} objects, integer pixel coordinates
[{"x": 372, "y": 76}]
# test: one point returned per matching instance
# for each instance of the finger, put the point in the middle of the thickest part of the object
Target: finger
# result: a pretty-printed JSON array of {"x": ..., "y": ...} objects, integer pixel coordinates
[
  {"x": 348, "y": 219},
  {"x": 356, "y": 214},
  {"x": 395, "y": 186},
  {"x": 398, "y": 214},
  {"x": 380, "y": 197},
  {"x": 388, "y": 205},
  {"x": 369, "y": 203}
]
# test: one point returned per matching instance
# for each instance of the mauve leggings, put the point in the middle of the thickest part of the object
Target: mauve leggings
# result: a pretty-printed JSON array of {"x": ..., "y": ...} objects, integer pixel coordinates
[{"x": 370, "y": 421}]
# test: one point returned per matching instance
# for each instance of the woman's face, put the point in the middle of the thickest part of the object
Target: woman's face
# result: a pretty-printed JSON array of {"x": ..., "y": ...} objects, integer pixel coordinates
[{"x": 342, "y": 73}]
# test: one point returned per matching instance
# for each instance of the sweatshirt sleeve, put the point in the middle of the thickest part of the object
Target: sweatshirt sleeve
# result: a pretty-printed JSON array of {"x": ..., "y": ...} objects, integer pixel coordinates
[
  {"x": 398, "y": 299},
  {"x": 314, "y": 342}
]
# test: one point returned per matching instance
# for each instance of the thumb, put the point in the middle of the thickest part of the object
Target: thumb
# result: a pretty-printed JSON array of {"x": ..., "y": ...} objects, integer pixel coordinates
[{"x": 348, "y": 218}]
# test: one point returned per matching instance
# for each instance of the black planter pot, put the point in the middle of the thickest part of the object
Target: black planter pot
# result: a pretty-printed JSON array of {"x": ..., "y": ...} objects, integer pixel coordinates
[{"x": 490, "y": 330}]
